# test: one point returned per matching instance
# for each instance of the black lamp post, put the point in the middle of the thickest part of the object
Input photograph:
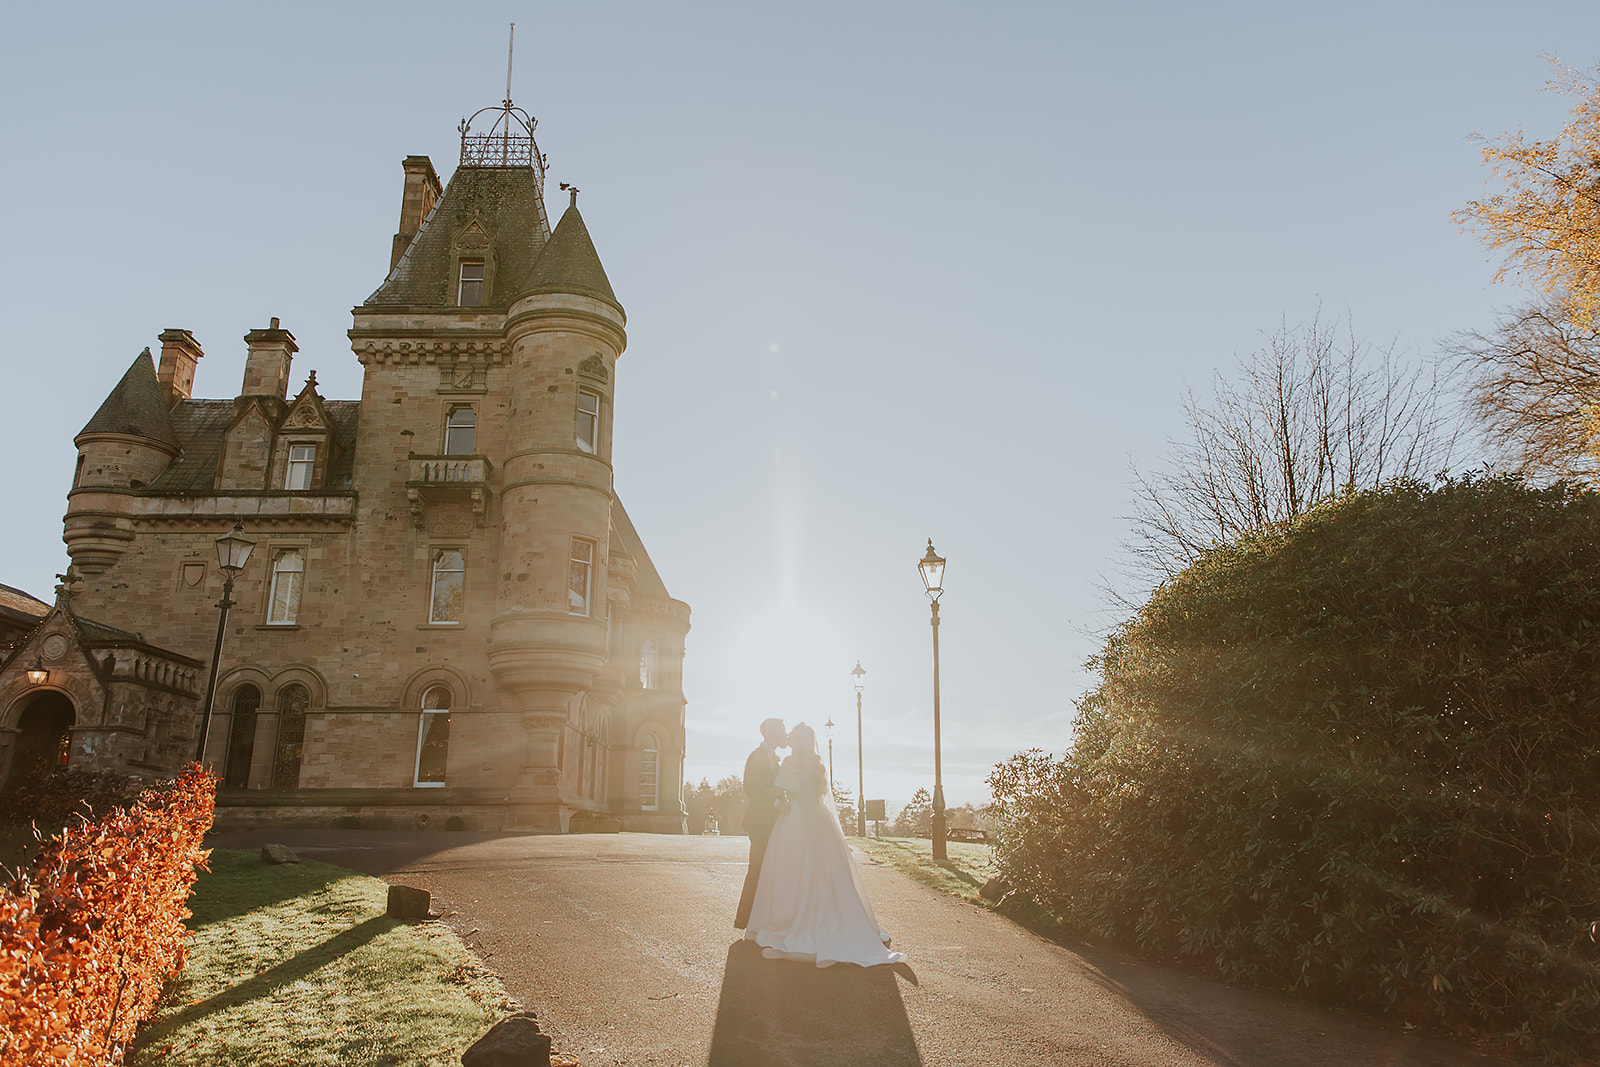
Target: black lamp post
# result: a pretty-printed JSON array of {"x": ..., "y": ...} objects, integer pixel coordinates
[
  {"x": 931, "y": 567},
  {"x": 829, "y": 725},
  {"x": 233, "y": 552},
  {"x": 861, "y": 772}
]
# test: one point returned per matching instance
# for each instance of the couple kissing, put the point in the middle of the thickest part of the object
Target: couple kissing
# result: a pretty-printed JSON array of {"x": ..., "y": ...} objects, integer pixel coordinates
[{"x": 803, "y": 899}]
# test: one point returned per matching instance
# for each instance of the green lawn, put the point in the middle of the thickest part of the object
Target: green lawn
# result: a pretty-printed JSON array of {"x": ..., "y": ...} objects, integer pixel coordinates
[
  {"x": 298, "y": 965},
  {"x": 966, "y": 868}
]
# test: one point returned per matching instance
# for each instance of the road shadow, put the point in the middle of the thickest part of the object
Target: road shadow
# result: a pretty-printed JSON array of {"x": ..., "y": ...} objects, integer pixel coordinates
[
  {"x": 776, "y": 1013},
  {"x": 1239, "y": 1027}
]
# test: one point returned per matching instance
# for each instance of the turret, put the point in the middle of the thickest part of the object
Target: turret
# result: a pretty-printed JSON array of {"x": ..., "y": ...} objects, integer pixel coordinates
[
  {"x": 122, "y": 448},
  {"x": 565, "y": 330}
]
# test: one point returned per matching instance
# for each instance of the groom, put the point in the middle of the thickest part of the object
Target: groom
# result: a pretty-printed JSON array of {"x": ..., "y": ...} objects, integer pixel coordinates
[{"x": 761, "y": 808}]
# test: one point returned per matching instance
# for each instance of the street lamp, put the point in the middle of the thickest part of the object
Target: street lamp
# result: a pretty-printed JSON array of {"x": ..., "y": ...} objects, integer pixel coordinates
[
  {"x": 233, "y": 552},
  {"x": 931, "y": 567},
  {"x": 861, "y": 773},
  {"x": 829, "y": 725}
]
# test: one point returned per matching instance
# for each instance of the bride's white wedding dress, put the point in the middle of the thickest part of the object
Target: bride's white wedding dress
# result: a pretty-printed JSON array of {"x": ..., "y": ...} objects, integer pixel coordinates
[{"x": 810, "y": 904}]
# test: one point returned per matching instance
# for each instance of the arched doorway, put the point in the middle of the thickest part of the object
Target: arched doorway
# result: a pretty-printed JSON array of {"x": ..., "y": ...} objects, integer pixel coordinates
[{"x": 44, "y": 738}]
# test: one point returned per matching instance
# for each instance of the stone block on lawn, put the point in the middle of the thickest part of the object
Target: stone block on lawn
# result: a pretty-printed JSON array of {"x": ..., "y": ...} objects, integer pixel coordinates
[
  {"x": 408, "y": 904},
  {"x": 278, "y": 854},
  {"x": 514, "y": 1041}
]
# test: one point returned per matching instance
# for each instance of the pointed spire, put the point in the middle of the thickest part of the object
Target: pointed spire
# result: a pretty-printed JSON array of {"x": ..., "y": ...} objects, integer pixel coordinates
[
  {"x": 136, "y": 407},
  {"x": 569, "y": 263}
]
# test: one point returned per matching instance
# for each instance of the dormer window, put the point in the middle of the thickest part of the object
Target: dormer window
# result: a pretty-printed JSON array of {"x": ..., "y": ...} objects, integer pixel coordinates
[
  {"x": 460, "y": 432},
  {"x": 469, "y": 293},
  {"x": 302, "y": 458}
]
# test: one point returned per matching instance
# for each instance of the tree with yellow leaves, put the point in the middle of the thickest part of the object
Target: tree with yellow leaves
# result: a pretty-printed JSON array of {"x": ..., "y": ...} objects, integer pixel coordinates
[
  {"x": 1536, "y": 374},
  {"x": 1548, "y": 219}
]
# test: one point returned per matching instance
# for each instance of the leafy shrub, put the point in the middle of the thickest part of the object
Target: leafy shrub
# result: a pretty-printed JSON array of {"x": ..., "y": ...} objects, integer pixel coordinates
[
  {"x": 1357, "y": 756},
  {"x": 51, "y": 801},
  {"x": 90, "y": 936}
]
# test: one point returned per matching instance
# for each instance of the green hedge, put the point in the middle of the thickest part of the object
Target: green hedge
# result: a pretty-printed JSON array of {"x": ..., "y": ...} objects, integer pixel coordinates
[{"x": 1357, "y": 756}]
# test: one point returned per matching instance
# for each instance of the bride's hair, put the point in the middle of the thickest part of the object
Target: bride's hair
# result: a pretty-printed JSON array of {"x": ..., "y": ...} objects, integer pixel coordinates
[{"x": 803, "y": 741}]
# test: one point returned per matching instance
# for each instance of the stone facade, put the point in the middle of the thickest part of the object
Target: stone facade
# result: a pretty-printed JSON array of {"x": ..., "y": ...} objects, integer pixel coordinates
[{"x": 447, "y": 617}]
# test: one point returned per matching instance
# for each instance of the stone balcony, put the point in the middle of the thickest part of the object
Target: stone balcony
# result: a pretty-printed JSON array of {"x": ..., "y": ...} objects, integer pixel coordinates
[{"x": 432, "y": 479}]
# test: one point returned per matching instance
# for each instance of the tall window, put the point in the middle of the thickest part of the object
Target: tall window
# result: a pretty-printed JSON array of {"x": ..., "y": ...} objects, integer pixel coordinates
[
  {"x": 433, "y": 737},
  {"x": 650, "y": 774},
  {"x": 470, "y": 292},
  {"x": 241, "y": 737},
  {"x": 449, "y": 580},
  {"x": 288, "y": 574},
  {"x": 292, "y": 704},
  {"x": 647, "y": 664},
  {"x": 579, "y": 576},
  {"x": 588, "y": 420},
  {"x": 302, "y": 458},
  {"x": 460, "y": 432}
]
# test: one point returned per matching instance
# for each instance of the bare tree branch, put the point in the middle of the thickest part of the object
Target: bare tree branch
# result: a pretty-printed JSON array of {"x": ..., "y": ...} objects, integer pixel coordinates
[
  {"x": 1306, "y": 418},
  {"x": 1536, "y": 387}
]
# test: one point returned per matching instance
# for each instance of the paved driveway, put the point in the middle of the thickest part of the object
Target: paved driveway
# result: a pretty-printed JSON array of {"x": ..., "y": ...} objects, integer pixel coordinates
[{"x": 623, "y": 944}]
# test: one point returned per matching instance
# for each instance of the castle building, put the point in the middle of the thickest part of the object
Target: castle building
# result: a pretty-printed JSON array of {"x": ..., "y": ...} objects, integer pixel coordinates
[{"x": 447, "y": 618}]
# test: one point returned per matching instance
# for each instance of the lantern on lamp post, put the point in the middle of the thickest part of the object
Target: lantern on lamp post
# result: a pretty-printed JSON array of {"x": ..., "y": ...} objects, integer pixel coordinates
[
  {"x": 931, "y": 567},
  {"x": 233, "y": 552}
]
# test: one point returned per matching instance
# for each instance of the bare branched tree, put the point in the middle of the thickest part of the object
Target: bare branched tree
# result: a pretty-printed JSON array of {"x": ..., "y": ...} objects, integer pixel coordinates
[
  {"x": 1535, "y": 387},
  {"x": 1305, "y": 418}
]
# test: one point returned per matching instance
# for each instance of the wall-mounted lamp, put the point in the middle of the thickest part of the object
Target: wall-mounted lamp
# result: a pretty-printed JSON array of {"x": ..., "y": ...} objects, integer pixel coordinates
[{"x": 37, "y": 675}]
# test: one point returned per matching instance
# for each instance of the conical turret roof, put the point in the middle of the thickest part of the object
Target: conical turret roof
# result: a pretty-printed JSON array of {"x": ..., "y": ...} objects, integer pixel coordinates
[
  {"x": 569, "y": 263},
  {"x": 136, "y": 406}
]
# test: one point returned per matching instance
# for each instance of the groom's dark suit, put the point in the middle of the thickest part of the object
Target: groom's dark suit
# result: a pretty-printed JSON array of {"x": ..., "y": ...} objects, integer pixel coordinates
[{"x": 761, "y": 811}]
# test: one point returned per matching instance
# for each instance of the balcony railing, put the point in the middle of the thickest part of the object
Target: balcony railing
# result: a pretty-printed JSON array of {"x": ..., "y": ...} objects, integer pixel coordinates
[{"x": 431, "y": 476}]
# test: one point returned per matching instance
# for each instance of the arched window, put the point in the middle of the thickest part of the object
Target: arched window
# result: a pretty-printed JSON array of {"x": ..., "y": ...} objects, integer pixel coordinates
[
  {"x": 647, "y": 664},
  {"x": 433, "y": 737},
  {"x": 650, "y": 773},
  {"x": 460, "y": 432},
  {"x": 241, "y": 737},
  {"x": 292, "y": 705}
]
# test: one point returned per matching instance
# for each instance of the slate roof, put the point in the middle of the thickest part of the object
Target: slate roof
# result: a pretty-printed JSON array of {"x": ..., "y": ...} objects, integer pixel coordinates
[
  {"x": 199, "y": 425},
  {"x": 570, "y": 263},
  {"x": 648, "y": 585},
  {"x": 509, "y": 204},
  {"x": 136, "y": 406}
]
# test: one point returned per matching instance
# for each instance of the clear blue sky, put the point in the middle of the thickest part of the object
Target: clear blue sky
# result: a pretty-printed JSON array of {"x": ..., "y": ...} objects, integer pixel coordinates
[{"x": 892, "y": 271}]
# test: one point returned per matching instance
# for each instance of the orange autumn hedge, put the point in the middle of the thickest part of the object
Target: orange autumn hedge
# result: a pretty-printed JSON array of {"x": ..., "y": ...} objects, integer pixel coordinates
[{"x": 91, "y": 934}]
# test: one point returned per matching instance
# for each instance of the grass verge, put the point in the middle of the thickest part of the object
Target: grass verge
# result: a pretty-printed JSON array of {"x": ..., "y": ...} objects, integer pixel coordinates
[
  {"x": 298, "y": 965},
  {"x": 962, "y": 874}
]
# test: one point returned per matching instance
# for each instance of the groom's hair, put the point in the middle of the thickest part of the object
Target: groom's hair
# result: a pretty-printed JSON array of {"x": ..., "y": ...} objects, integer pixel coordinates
[{"x": 773, "y": 730}]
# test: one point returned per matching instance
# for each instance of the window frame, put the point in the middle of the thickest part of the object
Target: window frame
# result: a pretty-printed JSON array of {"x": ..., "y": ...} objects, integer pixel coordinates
[
  {"x": 593, "y": 446},
  {"x": 587, "y": 562},
  {"x": 298, "y": 586},
  {"x": 437, "y": 552},
  {"x": 462, "y": 265},
  {"x": 423, "y": 716},
  {"x": 450, "y": 427},
  {"x": 649, "y": 664},
  {"x": 306, "y": 467},
  {"x": 650, "y": 753}
]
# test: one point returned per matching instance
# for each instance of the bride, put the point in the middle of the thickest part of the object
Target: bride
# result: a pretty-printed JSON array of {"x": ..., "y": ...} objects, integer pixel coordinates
[{"x": 809, "y": 903}]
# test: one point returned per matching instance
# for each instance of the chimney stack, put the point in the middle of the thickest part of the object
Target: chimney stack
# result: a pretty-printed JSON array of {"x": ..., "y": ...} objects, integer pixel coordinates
[
  {"x": 179, "y": 354},
  {"x": 422, "y": 189},
  {"x": 266, "y": 368}
]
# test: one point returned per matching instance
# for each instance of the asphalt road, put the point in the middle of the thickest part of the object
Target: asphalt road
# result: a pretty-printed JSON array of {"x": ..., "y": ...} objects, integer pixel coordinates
[{"x": 623, "y": 944}]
